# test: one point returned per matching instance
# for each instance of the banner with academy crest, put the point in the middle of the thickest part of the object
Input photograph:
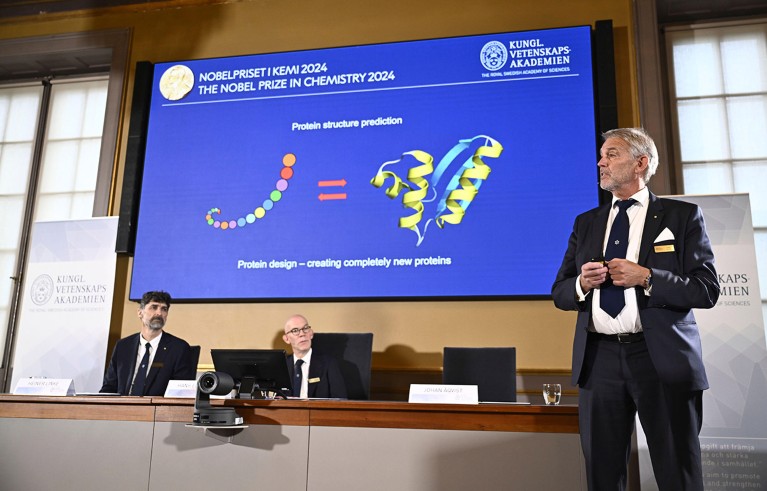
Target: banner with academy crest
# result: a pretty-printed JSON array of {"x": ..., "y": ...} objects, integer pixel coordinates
[
  {"x": 67, "y": 302},
  {"x": 734, "y": 435}
]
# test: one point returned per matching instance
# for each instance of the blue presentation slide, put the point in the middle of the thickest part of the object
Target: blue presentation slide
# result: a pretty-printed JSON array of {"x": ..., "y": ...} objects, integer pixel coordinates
[{"x": 446, "y": 168}]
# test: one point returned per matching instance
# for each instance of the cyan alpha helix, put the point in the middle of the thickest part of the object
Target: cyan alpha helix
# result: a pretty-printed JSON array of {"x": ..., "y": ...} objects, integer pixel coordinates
[
  {"x": 288, "y": 160},
  {"x": 458, "y": 194}
]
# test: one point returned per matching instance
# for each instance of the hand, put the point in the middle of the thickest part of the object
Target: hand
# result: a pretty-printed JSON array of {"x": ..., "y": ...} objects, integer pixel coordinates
[
  {"x": 626, "y": 274},
  {"x": 593, "y": 274}
]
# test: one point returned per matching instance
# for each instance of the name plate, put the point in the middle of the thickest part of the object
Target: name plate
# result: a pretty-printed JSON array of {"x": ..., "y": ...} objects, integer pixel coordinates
[
  {"x": 38, "y": 386},
  {"x": 181, "y": 388},
  {"x": 443, "y": 394}
]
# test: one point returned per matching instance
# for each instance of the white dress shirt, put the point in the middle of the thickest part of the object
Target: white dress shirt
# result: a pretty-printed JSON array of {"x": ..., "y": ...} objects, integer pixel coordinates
[
  {"x": 628, "y": 320},
  {"x": 304, "y": 373},
  {"x": 155, "y": 343}
]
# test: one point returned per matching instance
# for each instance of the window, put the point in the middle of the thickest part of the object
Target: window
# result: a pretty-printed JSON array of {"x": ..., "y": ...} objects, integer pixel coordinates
[
  {"x": 18, "y": 121},
  {"x": 67, "y": 170},
  {"x": 719, "y": 89},
  {"x": 60, "y": 99},
  {"x": 71, "y": 155}
]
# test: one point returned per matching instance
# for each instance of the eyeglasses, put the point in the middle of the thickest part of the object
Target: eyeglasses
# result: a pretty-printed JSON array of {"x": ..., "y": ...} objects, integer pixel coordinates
[{"x": 297, "y": 330}]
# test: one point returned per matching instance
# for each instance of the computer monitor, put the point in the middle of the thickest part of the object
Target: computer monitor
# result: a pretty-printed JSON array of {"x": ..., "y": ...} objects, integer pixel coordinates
[{"x": 254, "y": 370}]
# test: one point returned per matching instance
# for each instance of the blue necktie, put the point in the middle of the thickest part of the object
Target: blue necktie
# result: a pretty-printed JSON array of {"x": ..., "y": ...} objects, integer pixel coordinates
[
  {"x": 612, "y": 299},
  {"x": 140, "y": 380},
  {"x": 298, "y": 378}
]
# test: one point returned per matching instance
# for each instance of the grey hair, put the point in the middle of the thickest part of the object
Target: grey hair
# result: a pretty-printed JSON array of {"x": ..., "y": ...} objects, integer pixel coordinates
[{"x": 640, "y": 143}]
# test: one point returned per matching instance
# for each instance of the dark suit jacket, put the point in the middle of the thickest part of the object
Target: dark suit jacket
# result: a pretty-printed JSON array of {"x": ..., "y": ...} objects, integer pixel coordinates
[
  {"x": 682, "y": 279},
  {"x": 171, "y": 362},
  {"x": 325, "y": 379}
]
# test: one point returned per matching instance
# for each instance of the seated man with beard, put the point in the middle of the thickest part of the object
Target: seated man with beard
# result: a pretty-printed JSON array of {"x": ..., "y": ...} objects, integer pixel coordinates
[{"x": 143, "y": 363}]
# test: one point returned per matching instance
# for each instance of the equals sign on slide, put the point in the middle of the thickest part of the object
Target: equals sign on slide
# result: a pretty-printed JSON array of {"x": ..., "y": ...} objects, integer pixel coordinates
[{"x": 330, "y": 184}]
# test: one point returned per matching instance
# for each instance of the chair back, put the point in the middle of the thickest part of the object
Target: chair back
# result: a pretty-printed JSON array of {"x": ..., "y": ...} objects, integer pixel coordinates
[
  {"x": 194, "y": 356},
  {"x": 354, "y": 352},
  {"x": 492, "y": 370}
]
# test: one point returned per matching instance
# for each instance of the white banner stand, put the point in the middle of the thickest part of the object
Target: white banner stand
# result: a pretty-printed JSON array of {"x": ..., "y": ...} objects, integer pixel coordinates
[
  {"x": 734, "y": 436},
  {"x": 67, "y": 302}
]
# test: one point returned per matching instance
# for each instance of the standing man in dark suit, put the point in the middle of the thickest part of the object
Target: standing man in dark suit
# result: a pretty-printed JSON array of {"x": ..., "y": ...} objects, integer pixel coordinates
[
  {"x": 637, "y": 347},
  {"x": 142, "y": 364},
  {"x": 313, "y": 374}
]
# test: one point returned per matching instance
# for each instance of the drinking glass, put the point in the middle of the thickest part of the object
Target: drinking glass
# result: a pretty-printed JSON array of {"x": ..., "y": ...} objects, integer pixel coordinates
[{"x": 552, "y": 393}]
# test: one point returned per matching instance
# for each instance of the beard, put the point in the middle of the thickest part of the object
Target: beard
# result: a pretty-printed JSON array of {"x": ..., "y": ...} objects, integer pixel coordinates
[
  {"x": 608, "y": 186},
  {"x": 616, "y": 178},
  {"x": 157, "y": 323}
]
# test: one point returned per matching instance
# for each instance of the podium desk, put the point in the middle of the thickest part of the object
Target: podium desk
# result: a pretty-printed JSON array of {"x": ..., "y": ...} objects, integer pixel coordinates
[
  {"x": 130, "y": 443},
  {"x": 75, "y": 443}
]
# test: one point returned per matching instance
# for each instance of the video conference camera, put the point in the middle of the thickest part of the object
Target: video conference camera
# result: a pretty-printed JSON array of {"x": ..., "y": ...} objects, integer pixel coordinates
[{"x": 219, "y": 384}]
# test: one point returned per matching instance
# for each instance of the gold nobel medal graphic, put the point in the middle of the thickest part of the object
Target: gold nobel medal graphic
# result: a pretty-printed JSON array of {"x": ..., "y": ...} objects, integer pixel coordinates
[{"x": 176, "y": 82}]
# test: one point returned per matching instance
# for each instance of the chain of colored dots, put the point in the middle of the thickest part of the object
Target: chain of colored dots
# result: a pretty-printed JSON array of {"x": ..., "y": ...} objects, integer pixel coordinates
[{"x": 288, "y": 160}]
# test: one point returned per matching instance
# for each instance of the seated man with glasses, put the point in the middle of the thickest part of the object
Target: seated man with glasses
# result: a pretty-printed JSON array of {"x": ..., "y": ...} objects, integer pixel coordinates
[{"x": 313, "y": 374}]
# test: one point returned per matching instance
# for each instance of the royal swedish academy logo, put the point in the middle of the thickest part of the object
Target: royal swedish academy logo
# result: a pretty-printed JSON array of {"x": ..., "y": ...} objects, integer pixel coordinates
[
  {"x": 493, "y": 56},
  {"x": 41, "y": 290}
]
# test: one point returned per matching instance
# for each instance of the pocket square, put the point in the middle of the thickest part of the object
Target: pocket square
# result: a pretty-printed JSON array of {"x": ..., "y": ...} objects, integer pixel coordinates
[{"x": 664, "y": 236}]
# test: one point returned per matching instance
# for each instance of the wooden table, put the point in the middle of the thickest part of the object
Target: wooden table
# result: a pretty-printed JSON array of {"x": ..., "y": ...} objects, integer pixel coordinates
[{"x": 132, "y": 443}]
